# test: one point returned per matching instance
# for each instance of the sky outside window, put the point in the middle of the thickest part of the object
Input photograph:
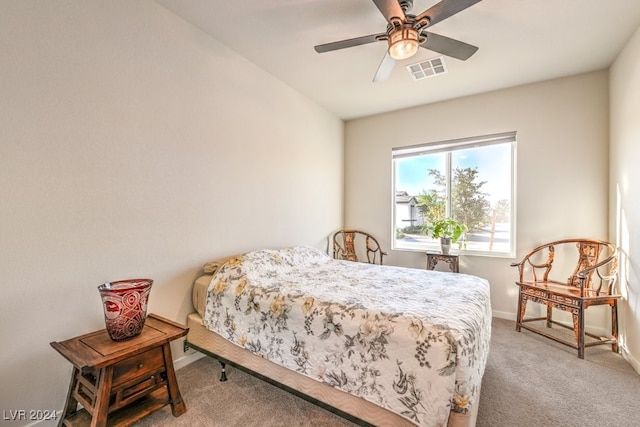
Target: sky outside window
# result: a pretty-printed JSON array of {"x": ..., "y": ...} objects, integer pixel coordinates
[{"x": 413, "y": 172}]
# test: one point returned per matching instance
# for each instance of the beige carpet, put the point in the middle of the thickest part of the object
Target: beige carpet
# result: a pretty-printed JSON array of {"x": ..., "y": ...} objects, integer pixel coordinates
[{"x": 529, "y": 381}]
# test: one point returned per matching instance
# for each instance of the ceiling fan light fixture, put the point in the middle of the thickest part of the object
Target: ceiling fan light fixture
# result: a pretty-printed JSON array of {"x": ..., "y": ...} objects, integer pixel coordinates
[{"x": 403, "y": 43}]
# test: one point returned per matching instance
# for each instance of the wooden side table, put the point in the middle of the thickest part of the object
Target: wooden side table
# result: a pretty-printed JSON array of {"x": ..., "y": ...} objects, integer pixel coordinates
[
  {"x": 434, "y": 258},
  {"x": 119, "y": 382}
]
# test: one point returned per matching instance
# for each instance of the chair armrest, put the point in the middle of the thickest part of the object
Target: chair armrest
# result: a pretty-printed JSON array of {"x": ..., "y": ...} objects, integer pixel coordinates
[
  {"x": 609, "y": 278},
  {"x": 589, "y": 251},
  {"x": 609, "y": 260}
]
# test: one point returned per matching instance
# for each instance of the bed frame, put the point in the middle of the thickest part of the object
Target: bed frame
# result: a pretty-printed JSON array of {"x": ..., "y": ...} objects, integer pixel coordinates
[{"x": 352, "y": 408}]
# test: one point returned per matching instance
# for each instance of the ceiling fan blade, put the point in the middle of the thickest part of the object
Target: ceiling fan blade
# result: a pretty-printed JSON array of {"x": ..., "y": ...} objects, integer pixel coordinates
[
  {"x": 445, "y": 9},
  {"x": 343, "y": 44},
  {"x": 385, "y": 69},
  {"x": 390, "y": 9},
  {"x": 450, "y": 47}
]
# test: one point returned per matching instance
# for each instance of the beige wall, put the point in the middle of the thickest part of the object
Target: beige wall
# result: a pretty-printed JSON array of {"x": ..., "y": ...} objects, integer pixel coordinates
[
  {"x": 132, "y": 145},
  {"x": 562, "y": 166},
  {"x": 624, "y": 190}
]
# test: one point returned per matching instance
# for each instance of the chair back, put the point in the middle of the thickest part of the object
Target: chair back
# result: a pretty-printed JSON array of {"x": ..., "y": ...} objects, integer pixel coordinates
[
  {"x": 356, "y": 245},
  {"x": 596, "y": 266}
]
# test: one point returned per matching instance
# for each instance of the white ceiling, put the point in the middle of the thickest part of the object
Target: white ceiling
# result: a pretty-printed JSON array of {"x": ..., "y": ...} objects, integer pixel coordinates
[{"x": 520, "y": 41}]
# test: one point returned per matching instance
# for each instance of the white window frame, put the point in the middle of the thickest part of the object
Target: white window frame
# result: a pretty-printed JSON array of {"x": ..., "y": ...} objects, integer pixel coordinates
[{"x": 449, "y": 147}]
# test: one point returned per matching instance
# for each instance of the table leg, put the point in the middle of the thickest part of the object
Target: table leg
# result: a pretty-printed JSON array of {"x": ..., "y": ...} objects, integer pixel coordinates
[
  {"x": 70, "y": 404},
  {"x": 178, "y": 406},
  {"x": 454, "y": 267},
  {"x": 101, "y": 405}
]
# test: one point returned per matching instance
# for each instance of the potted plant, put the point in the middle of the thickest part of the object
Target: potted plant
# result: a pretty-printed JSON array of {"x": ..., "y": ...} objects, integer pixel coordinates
[{"x": 448, "y": 230}]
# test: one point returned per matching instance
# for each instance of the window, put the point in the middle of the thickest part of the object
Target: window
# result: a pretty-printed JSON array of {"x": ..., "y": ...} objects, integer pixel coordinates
[{"x": 471, "y": 180}]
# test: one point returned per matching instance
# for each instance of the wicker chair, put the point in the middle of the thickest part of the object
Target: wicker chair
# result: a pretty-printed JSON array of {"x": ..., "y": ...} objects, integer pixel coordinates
[
  {"x": 591, "y": 283},
  {"x": 351, "y": 245}
]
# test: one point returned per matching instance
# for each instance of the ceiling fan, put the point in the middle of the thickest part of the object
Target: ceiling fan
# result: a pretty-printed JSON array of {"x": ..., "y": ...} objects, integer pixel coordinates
[{"x": 406, "y": 33}]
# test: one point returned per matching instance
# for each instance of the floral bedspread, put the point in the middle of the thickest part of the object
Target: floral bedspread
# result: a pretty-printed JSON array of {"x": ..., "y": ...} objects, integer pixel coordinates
[{"x": 412, "y": 341}]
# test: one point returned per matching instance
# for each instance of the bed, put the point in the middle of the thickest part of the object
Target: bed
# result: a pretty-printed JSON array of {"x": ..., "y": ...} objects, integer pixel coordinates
[{"x": 379, "y": 345}]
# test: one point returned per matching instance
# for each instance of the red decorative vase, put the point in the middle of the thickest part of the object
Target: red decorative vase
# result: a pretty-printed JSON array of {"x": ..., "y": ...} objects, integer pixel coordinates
[{"x": 125, "y": 307}]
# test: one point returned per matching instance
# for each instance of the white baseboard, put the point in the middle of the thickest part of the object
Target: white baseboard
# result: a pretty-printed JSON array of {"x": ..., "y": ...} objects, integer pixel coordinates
[
  {"x": 635, "y": 364},
  {"x": 504, "y": 315},
  {"x": 187, "y": 359},
  {"x": 46, "y": 423}
]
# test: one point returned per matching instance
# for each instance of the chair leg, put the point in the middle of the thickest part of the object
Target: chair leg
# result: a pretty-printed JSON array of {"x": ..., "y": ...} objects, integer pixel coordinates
[
  {"x": 578, "y": 325},
  {"x": 614, "y": 326},
  {"x": 522, "y": 307}
]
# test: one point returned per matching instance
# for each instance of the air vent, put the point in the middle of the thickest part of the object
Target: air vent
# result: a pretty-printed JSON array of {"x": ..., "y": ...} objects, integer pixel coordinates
[{"x": 428, "y": 68}]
